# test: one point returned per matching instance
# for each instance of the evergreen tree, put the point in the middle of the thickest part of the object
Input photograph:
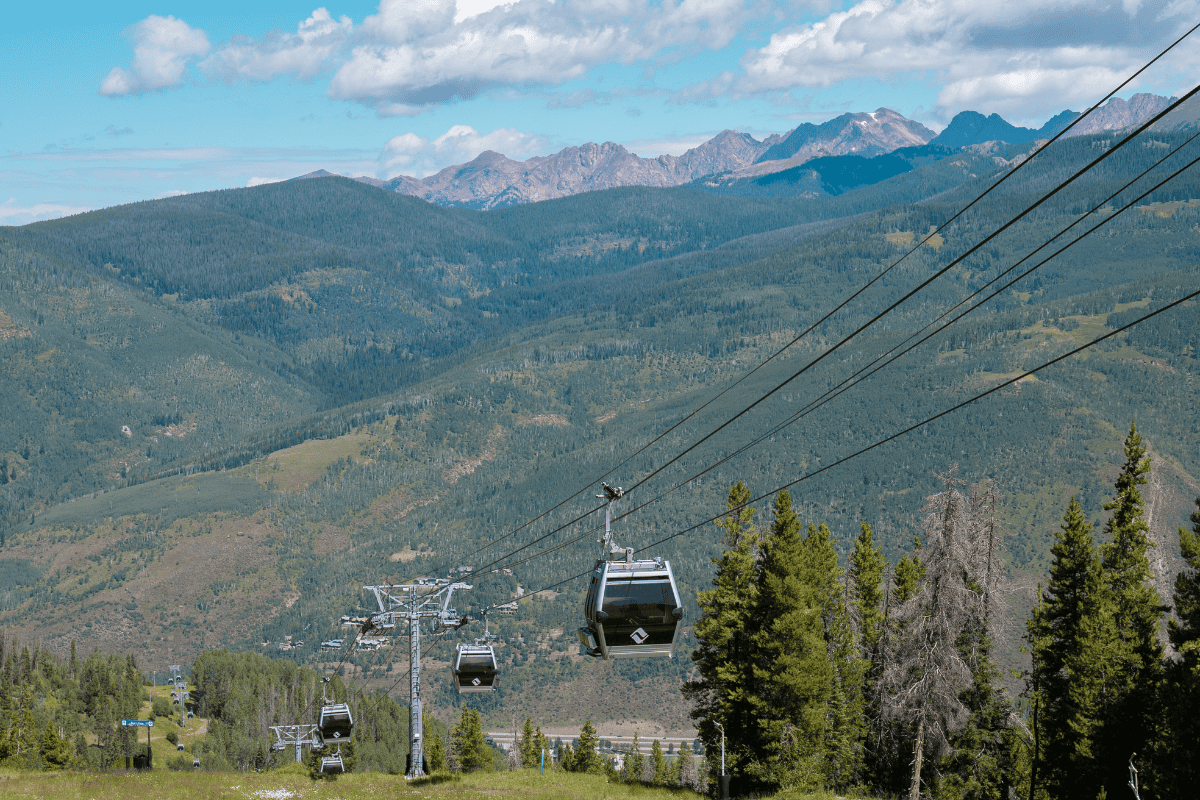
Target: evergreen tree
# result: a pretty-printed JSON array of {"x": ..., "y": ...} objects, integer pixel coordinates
[
  {"x": 435, "y": 753},
  {"x": 56, "y": 751},
  {"x": 867, "y": 607},
  {"x": 635, "y": 762},
  {"x": 586, "y": 757},
  {"x": 527, "y": 745},
  {"x": 1130, "y": 718},
  {"x": 541, "y": 747},
  {"x": 566, "y": 756},
  {"x": 867, "y": 565},
  {"x": 656, "y": 766},
  {"x": 792, "y": 672},
  {"x": 724, "y": 688},
  {"x": 1184, "y": 629},
  {"x": 468, "y": 744},
  {"x": 1056, "y": 637},
  {"x": 1177, "y": 757},
  {"x": 689, "y": 771},
  {"x": 845, "y": 726}
]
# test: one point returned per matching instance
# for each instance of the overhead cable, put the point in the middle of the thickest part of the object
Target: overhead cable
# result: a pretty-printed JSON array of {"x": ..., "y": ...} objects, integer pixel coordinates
[{"x": 935, "y": 231}]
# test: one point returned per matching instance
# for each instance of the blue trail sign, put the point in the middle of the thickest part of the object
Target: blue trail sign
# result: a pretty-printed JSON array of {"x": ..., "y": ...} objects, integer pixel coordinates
[{"x": 137, "y": 723}]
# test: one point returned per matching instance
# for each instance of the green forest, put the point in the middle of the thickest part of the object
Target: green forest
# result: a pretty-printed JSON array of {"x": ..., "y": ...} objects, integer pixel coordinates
[{"x": 883, "y": 675}]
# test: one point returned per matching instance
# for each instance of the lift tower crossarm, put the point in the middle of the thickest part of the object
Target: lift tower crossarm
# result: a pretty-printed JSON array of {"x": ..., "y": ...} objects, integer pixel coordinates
[{"x": 425, "y": 599}]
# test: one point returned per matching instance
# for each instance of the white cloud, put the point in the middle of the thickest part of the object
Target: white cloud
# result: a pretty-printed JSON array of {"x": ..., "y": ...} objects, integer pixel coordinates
[
  {"x": 12, "y": 214},
  {"x": 1020, "y": 57},
  {"x": 317, "y": 40},
  {"x": 161, "y": 49},
  {"x": 415, "y": 155},
  {"x": 256, "y": 181},
  {"x": 406, "y": 59},
  {"x": 465, "y": 9},
  {"x": 414, "y": 54}
]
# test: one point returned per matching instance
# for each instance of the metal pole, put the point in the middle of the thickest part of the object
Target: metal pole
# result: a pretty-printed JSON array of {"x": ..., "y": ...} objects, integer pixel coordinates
[
  {"x": 724, "y": 778},
  {"x": 414, "y": 696}
]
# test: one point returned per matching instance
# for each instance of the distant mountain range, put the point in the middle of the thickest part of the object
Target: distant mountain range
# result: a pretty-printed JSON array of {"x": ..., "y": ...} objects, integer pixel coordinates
[{"x": 492, "y": 180}]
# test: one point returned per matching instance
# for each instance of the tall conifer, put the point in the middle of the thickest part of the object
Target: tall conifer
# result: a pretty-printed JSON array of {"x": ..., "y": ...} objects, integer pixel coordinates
[
  {"x": 1130, "y": 722},
  {"x": 792, "y": 671},
  {"x": 1055, "y": 633},
  {"x": 866, "y": 581},
  {"x": 845, "y": 726},
  {"x": 867, "y": 608},
  {"x": 1177, "y": 757},
  {"x": 723, "y": 691}
]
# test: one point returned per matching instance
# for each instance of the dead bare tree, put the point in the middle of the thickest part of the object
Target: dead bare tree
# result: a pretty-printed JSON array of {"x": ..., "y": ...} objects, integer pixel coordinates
[{"x": 926, "y": 669}]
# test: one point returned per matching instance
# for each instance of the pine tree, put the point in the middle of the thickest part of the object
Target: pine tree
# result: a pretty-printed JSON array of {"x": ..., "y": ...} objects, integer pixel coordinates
[
  {"x": 1177, "y": 757},
  {"x": 723, "y": 690},
  {"x": 867, "y": 565},
  {"x": 541, "y": 746},
  {"x": 586, "y": 757},
  {"x": 56, "y": 751},
  {"x": 656, "y": 766},
  {"x": 566, "y": 756},
  {"x": 527, "y": 745},
  {"x": 435, "y": 753},
  {"x": 1184, "y": 630},
  {"x": 634, "y": 761},
  {"x": 1130, "y": 721},
  {"x": 1055, "y": 634},
  {"x": 468, "y": 745},
  {"x": 845, "y": 726},
  {"x": 867, "y": 609},
  {"x": 689, "y": 774},
  {"x": 792, "y": 672}
]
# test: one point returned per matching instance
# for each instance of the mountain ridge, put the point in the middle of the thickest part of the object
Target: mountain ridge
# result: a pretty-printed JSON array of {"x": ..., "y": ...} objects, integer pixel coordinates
[{"x": 492, "y": 180}]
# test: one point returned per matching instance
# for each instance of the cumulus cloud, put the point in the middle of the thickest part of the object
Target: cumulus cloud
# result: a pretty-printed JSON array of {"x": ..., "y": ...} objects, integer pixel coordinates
[
  {"x": 317, "y": 41},
  {"x": 418, "y": 156},
  {"x": 408, "y": 58},
  {"x": 161, "y": 49},
  {"x": 1024, "y": 56}
]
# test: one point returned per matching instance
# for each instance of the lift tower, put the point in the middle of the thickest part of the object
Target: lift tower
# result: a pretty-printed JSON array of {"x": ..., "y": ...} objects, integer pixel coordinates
[{"x": 428, "y": 598}]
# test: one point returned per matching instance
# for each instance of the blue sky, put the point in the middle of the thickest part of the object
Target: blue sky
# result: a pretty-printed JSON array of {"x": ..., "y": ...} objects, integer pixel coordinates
[{"x": 110, "y": 103}]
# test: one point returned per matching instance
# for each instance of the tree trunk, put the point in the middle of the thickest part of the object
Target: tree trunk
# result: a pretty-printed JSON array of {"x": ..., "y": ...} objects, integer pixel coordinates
[{"x": 915, "y": 792}]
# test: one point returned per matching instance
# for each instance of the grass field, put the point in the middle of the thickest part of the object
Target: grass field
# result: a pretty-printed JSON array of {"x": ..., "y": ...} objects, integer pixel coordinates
[{"x": 290, "y": 782}]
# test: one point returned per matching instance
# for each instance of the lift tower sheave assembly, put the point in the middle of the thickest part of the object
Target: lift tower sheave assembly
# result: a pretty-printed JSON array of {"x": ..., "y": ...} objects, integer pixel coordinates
[
  {"x": 297, "y": 736},
  {"x": 414, "y": 602}
]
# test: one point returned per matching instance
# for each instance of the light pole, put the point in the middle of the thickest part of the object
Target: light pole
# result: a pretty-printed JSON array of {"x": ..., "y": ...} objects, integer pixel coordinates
[{"x": 724, "y": 779}]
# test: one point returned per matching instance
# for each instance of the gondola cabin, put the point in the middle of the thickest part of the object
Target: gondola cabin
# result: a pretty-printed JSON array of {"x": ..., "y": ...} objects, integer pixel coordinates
[
  {"x": 475, "y": 668},
  {"x": 335, "y": 722},
  {"x": 632, "y": 610},
  {"x": 333, "y": 765}
]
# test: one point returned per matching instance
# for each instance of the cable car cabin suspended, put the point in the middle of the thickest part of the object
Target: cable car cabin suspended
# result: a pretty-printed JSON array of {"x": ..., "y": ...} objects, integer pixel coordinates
[
  {"x": 333, "y": 765},
  {"x": 632, "y": 610},
  {"x": 335, "y": 721},
  {"x": 475, "y": 668},
  {"x": 632, "y": 607}
]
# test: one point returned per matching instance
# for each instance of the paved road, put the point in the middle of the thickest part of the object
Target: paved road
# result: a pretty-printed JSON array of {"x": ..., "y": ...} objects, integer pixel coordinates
[{"x": 504, "y": 739}]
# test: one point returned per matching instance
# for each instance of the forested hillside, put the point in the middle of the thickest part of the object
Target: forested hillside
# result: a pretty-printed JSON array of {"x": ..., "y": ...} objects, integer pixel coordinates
[{"x": 231, "y": 411}]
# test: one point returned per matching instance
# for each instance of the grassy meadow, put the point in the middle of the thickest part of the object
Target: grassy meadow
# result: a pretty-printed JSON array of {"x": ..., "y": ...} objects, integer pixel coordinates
[{"x": 291, "y": 782}]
